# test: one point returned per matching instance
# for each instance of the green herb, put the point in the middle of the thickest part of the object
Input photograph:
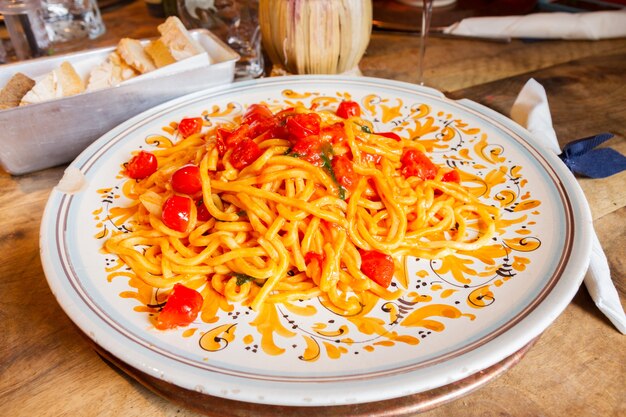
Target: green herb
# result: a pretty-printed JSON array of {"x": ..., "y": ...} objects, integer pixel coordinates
[
  {"x": 242, "y": 213},
  {"x": 242, "y": 279},
  {"x": 326, "y": 155},
  {"x": 290, "y": 152},
  {"x": 364, "y": 128},
  {"x": 342, "y": 192}
]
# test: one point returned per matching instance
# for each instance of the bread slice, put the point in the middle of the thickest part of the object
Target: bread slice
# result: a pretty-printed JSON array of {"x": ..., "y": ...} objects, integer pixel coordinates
[
  {"x": 71, "y": 82},
  {"x": 131, "y": 50},
  {"x": 109, "y": 73},
  {"x": 61, "y": 82},
  {"x": 12, "y": 93},
  {"x": 160, "y": 53},
  {"x": 177, "y": 39}
]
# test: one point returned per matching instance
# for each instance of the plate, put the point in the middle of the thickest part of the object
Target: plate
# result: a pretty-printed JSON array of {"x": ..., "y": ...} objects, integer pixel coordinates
[{"x": 459, "y": 315}]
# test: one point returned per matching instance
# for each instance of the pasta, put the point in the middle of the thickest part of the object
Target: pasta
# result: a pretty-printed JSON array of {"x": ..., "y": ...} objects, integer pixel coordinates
[{"x": 292, "y": 204}]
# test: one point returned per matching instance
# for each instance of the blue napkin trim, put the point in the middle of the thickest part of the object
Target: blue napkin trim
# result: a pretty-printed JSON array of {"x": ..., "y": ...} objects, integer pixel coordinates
[{"x": 582, "y": 159}]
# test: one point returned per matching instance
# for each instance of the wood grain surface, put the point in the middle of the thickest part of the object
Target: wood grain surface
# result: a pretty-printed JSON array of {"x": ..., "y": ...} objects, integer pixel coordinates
[{"x": 576, "y": 368}]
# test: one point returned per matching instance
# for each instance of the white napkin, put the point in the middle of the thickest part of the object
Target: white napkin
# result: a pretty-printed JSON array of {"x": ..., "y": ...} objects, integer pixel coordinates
[
  {"x": 531, "y": 110},
  {"x": 555, "y": 25}
]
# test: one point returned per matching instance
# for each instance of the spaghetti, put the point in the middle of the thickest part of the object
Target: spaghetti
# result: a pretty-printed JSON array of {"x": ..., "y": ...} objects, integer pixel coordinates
[{"x": 292, "y": 205}]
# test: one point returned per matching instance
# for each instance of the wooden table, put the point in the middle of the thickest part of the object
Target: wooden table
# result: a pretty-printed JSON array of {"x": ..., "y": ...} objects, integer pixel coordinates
[{"x": 576, "y": 368}]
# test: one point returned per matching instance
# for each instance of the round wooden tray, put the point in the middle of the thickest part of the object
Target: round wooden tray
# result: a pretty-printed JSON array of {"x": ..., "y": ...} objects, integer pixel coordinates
[{"x": 396, "y": 407}]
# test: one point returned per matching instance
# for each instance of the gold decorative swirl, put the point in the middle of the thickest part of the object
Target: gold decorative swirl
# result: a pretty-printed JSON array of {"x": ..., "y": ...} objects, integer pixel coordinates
[
  {"x": 523, "y": 244},
  {"x": 218, "y": 338}
]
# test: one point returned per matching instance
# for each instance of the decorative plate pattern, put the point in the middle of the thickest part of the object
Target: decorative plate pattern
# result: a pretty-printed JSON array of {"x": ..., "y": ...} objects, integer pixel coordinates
[{"x": 459, "y": 315}]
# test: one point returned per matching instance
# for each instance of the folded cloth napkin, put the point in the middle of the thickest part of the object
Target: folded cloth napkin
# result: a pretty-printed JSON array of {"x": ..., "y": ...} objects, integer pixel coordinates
[
  {"x": 556, "y": 25},
  {"x": 531, "y": 111}
]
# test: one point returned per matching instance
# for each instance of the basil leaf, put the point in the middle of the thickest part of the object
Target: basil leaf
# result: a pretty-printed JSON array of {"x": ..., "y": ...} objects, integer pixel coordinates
[
  {"x": 290, "y": 152},
  {"x": 364, "y": 128},
  {"x": 326, "y": 155},
  {"x": 242, "y": 279}
]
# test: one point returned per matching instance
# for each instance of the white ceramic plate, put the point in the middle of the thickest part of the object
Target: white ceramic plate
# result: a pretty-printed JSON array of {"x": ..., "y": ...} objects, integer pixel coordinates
[{"x": 458, "y": 317}]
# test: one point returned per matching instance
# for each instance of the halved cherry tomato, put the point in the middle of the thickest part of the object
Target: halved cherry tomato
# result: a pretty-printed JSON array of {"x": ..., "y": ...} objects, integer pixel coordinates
[
  {"x": 309, "y": 149},
  {"x": 182, "y": 307},
  {"x": 141, "y": 165},
  {"x": 189, "y": 126},
  {"x": 344, "y": 172},
  {"x": 245, "y": 153},
  {"x": 280, "y": 130},
  {"x": 416, "y": 164},
  {"x": 260, "y": 119},
  {"x": 370, "y": 157},
  {"x": 240, "y": 134},
  {"x": 452, "y": 176},
  {"x": 390, "y": 135},
  {"x": 301, "y": 125},
  {"x": 202, "y": 213},
  {"x": 221, "y": 138},
  {"x": 377, "y": 266},
  {"x": 334, "y": 133},
  {"x": 187, "y": 180},
  {"x": 257, "y": 112},
  {"x": 348, "y": 109},
  {"x": 176, "y": 211},
  {"x": 309, "y": 256}
]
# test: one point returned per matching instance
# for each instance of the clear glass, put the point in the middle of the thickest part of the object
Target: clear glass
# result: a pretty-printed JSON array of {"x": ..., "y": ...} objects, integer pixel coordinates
[
  {"x": 316, "y": 36},
  {"x": 427, "y": 11},
  {"x": 235, "y": 22},
  {"x": 3, "y": 53},
  {"x": 71, "y": 23},
  {"x": 24, "y": 22}
]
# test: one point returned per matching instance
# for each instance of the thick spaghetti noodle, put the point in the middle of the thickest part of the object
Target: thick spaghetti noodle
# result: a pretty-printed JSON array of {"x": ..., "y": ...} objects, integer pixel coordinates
[{"x": 292, "y": 205}]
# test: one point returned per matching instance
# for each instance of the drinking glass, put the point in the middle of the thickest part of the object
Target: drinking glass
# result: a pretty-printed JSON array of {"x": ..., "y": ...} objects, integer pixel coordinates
[
  {"x": 24, "y": 22},
  {"x": 427, "y": 12},
  {"x": 3, "y": 53},
  {"x": 235, "y": 22},
  {"x": 316, "y": 36},
  {"x": 70, "y": 23}
]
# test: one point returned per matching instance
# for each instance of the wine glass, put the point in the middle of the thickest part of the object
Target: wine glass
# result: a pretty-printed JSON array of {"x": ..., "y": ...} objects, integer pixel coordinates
[{"x": 427, "y": 11}]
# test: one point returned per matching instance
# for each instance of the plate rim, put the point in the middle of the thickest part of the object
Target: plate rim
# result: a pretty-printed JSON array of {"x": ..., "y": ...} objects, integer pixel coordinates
[{"x": 509, "y": 341}]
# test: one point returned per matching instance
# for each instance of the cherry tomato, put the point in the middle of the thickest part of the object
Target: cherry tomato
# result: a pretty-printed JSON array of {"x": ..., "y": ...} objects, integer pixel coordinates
[
  {"x": 334, "y": 133},
  {"x": 416, "y": 164},
  {"x": 141, "y": 165},
  {"x": 176, "y": 211},
  {"x": 309, "y": 149},
  {"x": 187, "y": 180},
  {"x": 182, "y": 307},
  {"x": 280, "y": 130},
  {"x": 390, "y": 135},
  {"x": 257, "y": 112},
  {"x": 344, "y": 172},
  {"x": 301, "y": 125},
  {"x": 221, "y": 138},
  {"x": 245, "y": 153},
  {"x": 452, "y": 176},
  {"x": 309, "y": 256},
  {"x": 240, "y": 134},
  {"x": 370, "y": 157},
  {"x": 377, "y": 266},
  {"x": 202, "y": 213},
  {"x": 348, "y": 109},
  {"x": 189, "y": 126},
  {"x": 261, "y": 120}
]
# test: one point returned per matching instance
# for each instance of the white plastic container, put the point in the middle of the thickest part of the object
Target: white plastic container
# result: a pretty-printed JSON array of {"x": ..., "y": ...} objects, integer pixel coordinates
[{"x": 50, "y": 133}]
